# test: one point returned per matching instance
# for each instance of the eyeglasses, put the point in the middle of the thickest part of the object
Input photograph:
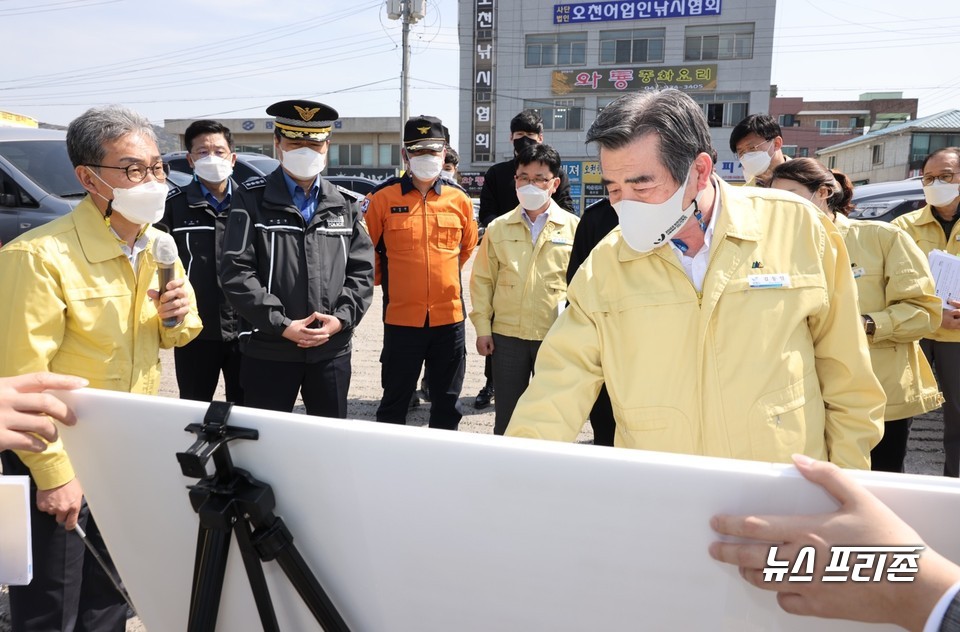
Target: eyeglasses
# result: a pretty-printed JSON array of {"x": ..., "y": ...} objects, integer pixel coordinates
[
  {"x": 756, "y": 147},
  {"x": 943, "y": 178},
  {"x": 525, "y": 180},
  {"x": 138, "y": 172}
]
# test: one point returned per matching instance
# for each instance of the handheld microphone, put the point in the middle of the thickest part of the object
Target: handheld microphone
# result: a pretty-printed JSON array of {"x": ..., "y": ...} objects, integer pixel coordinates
[{"x": 165, "y": 254}]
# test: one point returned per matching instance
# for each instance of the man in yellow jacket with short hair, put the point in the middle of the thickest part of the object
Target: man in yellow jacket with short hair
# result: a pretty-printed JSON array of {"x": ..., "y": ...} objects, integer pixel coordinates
[
  {"x": 82, "y": 299},
  {"x": 518, "y": 283},
  {"x": 723, "y": 320}
]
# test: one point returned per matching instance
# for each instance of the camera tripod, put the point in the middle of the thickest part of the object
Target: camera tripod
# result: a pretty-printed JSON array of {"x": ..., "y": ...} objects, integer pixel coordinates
[{"x": 231, "y": 501}]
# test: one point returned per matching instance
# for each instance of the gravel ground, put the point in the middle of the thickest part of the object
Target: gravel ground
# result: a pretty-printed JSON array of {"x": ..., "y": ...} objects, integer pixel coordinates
[{"x": 925, "y": 454}]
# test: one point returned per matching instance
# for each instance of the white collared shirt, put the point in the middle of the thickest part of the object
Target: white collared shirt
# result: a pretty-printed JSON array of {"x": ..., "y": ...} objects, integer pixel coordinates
[
  {"x": 133, "y": 254},
  {"x": 535, "y": 226},
  {"x": 696, "y": 266}
]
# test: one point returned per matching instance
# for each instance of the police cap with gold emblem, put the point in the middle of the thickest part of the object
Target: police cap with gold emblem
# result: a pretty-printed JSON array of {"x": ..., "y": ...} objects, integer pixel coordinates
[
  {"x": 299, "y": 119},
  {"x": 423, "y": 132}
]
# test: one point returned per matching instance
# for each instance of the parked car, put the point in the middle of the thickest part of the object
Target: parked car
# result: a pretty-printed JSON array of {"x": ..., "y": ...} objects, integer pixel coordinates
[
  {"x": 358, "y": 184},
  {"x": 249, "y": 165},
  {"x": 37, "y": 180},
  {"x": 886, "y": 201}
]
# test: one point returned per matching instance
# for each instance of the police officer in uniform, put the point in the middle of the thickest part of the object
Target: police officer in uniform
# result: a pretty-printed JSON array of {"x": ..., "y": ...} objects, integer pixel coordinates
[
  {"x": 298, "y": 267},
  {"x": 196, "y": 216}
]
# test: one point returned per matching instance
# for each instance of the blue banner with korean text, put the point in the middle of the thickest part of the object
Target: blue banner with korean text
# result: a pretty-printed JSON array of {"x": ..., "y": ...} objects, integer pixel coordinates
[{"x": 643, "y": 10}]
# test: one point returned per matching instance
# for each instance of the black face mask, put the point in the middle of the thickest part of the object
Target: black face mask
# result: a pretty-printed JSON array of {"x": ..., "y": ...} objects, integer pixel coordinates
[{"x": 522, "y": 143}]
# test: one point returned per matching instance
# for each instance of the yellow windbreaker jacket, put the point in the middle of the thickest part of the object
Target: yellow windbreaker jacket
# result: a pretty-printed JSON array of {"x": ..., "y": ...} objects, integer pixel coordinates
[
  {"x": 75, "y": 306},
  {"x": 516, "y": 284},
  {"x": 770, "y": 359},
  {"x": 924, "y": 228},
  {"x": 896, "y": 291}
]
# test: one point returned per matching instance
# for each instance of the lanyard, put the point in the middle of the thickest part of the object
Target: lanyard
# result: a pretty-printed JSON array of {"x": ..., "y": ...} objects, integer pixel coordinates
[{"x": 679, "y": 243}]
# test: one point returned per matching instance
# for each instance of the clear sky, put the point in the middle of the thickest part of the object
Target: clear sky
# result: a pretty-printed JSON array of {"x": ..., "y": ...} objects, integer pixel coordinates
[{"x": 232, "y": 58}]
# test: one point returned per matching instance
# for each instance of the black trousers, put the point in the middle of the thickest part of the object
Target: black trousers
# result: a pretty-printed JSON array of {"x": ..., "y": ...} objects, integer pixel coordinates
[
  {"x": 888, "y": 455},
  {"x": 69, "y": 591},
  {"x": 601, "y": 418},
  {"x": 405, "y": 350},
  {"x": 513, "y": 362},
  {"x": 199, "y": 365},
  {"x": 944, "y": 357},
  {"x": 274, "y": 385}
]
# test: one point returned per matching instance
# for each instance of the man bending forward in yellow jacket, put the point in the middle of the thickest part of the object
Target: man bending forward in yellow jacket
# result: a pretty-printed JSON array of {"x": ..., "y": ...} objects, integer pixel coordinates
[{"x": 723, "y": 320}]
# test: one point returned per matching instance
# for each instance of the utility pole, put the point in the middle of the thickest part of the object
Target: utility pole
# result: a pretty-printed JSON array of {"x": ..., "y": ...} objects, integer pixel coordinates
[{"x": 409, "y": 12}]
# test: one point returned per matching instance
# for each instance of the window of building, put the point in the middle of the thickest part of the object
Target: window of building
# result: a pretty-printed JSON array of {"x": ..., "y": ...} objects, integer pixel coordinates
[
  {"x": 832, "y": 162},
  {"x": 789, "y": 150},
  {"x": 803, "y": 152},
  {"x": 557, "y": 49},
  {"x": 827, "y": 126},
  {"x": 786, "y": 120},
  {"x": 350, "y": 155},
  {"x": 718, "y": 41},
  {"x": 559, "y": 115},
  {"x": 636, "y": 46},
  {"x": 922, "y": 145},
  {"x": 389, "y": 156},
  {"x": 877, "y": 154},
  {"x": 724, "y": 109}
]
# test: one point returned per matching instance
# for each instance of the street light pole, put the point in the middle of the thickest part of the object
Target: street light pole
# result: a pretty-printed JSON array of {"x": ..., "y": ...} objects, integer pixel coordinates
[{"x": 408, "y": 12}]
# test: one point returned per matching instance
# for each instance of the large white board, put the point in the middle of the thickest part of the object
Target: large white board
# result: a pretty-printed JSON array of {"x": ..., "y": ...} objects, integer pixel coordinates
[{"x": 412, "y": 529}]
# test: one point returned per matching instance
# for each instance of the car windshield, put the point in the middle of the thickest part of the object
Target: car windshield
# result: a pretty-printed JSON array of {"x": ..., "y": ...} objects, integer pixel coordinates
[
  {"x": 265, "y": 164},
  {"x": 45, "y": 162}
]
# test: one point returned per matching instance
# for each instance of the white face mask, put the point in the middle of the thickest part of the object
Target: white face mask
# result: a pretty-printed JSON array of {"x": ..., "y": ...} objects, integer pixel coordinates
[
  {"x": 303, "y": 163},
  {"x": 532, "y": 197},
  {"x": 648, "y": 226},
  {"x": 142, "y": 204},
  {"x": 426, "y": 167},
  {"x": 213, "y": 168},
  {"x": 754, "y": 163},
  {"x": 941, "y": 193}
]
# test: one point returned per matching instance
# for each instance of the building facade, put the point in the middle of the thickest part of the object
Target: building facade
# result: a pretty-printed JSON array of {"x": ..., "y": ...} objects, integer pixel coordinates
[
  {"x": 367, "y": 146},
  {"x": 810, "y": 126},
  {"x": 895, "y": 152},
  {"x": 570, "y": 60}
]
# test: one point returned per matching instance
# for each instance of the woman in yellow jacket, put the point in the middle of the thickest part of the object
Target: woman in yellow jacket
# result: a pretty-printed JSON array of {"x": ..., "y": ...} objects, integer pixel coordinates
[
  {"x": 935, "y": 227},
  {"x": 896, "y": 298},
  {"x": 519, "y": 278}
]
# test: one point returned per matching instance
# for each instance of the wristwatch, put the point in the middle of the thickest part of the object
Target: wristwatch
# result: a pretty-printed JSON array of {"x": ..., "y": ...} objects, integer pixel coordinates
[{"x": 869, "y": 325}]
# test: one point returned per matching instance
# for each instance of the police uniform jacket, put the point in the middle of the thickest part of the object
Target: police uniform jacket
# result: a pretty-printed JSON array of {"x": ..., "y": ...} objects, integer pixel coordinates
[
  {"x": 198, "y": 230},
  {"x": 924, "y": 228},
  {"x": 896, "y": 290},
  {"x": 422, "y": 243},
  {"x": 768, "y": 360},
  {"x": 498, "y": 196},
  {"x": 277, "y": 268},
  {"x": 75, "y": 305}
]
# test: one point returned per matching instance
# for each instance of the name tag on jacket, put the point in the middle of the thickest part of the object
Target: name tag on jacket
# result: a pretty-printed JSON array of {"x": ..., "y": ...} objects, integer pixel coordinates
[{"x": 764, "y": 281}]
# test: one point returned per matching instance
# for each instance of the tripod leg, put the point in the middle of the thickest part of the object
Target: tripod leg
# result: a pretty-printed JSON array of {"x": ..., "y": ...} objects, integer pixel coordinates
[
  {"x": 258, "y": 581},
  {"x": 276, "y": 542},
  {"x": 209, "y": 567}
]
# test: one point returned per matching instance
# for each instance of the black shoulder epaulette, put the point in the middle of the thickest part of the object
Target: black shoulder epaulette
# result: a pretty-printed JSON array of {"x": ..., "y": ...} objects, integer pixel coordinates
[
  {"x": 453, "y": 183},
  {"x": 257, "y": 182},
  {"x": 174, "y": 191},
  {"x": 350, "y": 195},
  {"x": 385, "y": 183}
]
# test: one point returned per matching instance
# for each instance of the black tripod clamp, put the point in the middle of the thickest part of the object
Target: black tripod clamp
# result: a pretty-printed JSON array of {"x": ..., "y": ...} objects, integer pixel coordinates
[{"x": 231, "y": 500}]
